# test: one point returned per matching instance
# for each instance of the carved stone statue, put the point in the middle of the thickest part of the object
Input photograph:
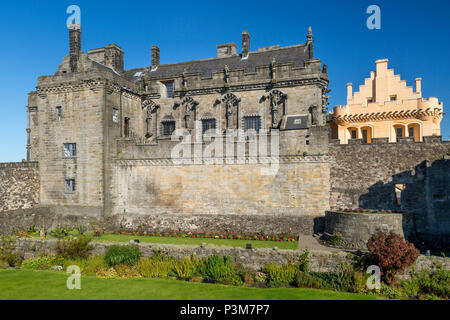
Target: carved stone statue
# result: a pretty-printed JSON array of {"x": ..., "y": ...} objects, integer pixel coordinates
[
  {"x": 272, "y": 68},
  {"x": 227, "y": 70},
  {"x": 316, "y": 113},
  {"x": 275, "y": 111}
]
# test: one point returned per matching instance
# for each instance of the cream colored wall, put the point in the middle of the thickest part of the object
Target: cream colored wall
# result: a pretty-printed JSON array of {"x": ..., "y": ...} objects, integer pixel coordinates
[{"x": 382, "y": 84}]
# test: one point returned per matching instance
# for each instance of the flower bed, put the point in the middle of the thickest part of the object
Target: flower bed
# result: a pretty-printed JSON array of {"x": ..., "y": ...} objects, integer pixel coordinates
[{"x": 219, "y": 235}]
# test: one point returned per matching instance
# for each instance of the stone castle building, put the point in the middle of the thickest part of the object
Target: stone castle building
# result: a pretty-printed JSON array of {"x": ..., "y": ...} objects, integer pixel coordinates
[
  {"x": 385, "y": 107},
  {"x": 102, "y": 134}
]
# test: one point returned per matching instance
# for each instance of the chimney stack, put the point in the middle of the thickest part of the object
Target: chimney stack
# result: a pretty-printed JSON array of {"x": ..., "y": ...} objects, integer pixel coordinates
[
  {"x": 349, "y": 91},
  {"x": 310, "y": 43},
  {"x": 74, "y": 45},
  {"x": 155, "y": 57},
  {"x": 245, "y": 44},
  {"x": 419, "y": 86}
]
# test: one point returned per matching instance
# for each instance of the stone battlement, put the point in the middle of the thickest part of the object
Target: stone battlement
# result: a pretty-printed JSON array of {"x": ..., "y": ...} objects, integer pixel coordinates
[{"x": 27, "y": 164}]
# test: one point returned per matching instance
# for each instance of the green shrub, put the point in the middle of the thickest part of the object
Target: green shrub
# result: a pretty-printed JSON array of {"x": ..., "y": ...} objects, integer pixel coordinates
[
  {"x": 233, "y": 280},
  {"x": 333, "y": 281},
  {"x": 156, "y": 267},
  {"x": 107, "y": 273},
  {"x": 43, "y": 263},
  {"x": 59, "y": 232},
  {"x": 126, "y": 271},
  {"x": 391, "y": 292},
  {"x": 281, "y": 275},
  {"x": 7, "y": 251},
  {"x": 74, "y": 249},
  {"x": 307, "y": 280},
  {"x": 129, "y": 255},
  {"x": 88, "y": 266},
  {"x": 216, "y": 268},
  {"x": 436, "y": 283},
  {"x": 303, "y": 262},
  {"x": 391, "y": 253},
  {"x": 187, "y": 268},
  {"x": 336, "y": 240}
]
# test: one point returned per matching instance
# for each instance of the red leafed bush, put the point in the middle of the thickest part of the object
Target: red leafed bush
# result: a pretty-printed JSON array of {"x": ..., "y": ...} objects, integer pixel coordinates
[{"x": 391, "y": 253}]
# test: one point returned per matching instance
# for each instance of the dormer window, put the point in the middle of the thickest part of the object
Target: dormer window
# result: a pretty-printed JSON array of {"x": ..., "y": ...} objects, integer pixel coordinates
[
  {"x": 169, "y": 89},
  {"x": 393, "y": 98}
]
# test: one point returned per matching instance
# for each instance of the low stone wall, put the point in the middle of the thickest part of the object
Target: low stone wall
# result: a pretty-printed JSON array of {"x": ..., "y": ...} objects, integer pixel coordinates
[
  {"x": 19, "y": 185},
  {"x": 48, "y": 218},
  {"x": 237, "y": 223},
  {"x": 255, "y": 259},
  {"x": 357, "y": 228}
]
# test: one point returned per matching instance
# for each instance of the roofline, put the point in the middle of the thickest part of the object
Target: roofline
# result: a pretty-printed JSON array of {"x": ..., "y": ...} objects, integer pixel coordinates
[{"x": 217, "y": 58}]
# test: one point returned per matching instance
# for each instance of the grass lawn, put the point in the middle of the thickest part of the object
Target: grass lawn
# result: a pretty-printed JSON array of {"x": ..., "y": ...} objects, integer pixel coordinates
[
  {"x": 51, "y": 285},
  {"x": 197, "y": 241}
]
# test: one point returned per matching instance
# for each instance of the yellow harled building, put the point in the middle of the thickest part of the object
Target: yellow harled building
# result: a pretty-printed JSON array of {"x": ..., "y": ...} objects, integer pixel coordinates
[{"x": 385, "y": 107}]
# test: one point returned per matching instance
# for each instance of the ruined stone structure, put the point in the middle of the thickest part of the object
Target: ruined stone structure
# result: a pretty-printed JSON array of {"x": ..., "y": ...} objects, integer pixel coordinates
[
  {"x": 103, "y": 135},
  {"x": 385, "y": 107}
]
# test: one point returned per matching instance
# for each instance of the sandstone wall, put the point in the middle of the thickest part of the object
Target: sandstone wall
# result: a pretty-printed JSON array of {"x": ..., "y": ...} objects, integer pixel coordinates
[
  {"x": 299, "y": 187},
  {"x": 19, "y": 185}
]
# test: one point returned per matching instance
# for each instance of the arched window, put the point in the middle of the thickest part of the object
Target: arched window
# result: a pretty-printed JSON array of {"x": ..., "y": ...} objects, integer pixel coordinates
[
  {"x": 414, "y": 131},
  {"x": 353, "y": 133},
  {"x": 367, "y": 134},
  {"x": 399, "y": 131}
]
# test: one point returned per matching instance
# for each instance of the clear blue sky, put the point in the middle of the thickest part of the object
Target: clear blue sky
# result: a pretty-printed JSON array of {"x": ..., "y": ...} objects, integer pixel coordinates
[{"x": 414, "y": 36}]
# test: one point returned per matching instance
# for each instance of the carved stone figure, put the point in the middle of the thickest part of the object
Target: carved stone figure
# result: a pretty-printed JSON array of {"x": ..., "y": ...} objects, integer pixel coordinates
[
  {"x": 277, "y": 99},
  {"x": 316, "y": 112},
  {"x": 227, "y": 76}
]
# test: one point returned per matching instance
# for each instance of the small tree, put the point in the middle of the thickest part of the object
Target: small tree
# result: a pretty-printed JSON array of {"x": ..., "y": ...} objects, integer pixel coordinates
[{"x": 391, "y": 253}]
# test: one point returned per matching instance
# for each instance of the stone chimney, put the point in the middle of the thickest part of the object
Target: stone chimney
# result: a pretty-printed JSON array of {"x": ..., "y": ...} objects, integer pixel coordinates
[
  {"x": 226, "y": 50},
  {"x": 419, "y": 85},
  {"x": 349, "y": 91},
  {"x": 310, "y": 43},
  {"x": 245, "y": 44},
  {"x": 114, "y": 57},
  {"x": 74, "y": 45},
  {"x": 155, "y": 57}
]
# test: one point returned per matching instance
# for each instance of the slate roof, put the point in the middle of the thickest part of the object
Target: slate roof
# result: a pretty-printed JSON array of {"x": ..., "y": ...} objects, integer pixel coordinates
[{"x": 296, "y": 54}]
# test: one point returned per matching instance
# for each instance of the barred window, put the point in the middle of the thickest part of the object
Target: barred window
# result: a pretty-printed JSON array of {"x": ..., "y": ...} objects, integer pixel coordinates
[
  {"x": 168, "y": 128},
  {"x": 70, "y": 150},
  {"x": 70, "y": 185},
  {"x": 208, "y": 124},
  {"x": 252, "y": 123}
]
